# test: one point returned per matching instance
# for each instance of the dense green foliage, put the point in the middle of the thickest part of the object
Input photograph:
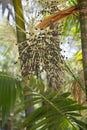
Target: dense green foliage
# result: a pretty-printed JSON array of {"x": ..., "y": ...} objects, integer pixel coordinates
[{"x": 10, "y": 89}]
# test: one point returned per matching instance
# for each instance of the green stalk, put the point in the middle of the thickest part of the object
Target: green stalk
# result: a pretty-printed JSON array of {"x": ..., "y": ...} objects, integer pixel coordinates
[
  {"x": 22, "y": 46},
  {"x": 21, "y": 38},
  {"x": 83, "y": 25},
  {"x": 19, "y": 18}
]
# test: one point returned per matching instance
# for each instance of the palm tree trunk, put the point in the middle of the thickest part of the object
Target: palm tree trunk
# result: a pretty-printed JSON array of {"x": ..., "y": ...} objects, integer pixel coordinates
[
  {"x": 83, "y": 25},
  {"x": 19, "y": 18},
  {"x": 22, "y": 47}
]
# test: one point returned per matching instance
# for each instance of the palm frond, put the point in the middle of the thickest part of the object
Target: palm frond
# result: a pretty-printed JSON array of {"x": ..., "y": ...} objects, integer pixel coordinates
[
  {"x": 9, "y": 88},
  {"x": 52, "y": 112}
]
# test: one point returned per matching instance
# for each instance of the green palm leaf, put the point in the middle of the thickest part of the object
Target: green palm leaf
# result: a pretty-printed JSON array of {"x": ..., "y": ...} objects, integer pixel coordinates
[
  {"x": 8, "y": 93},
  {"x": 52, "y": 112}
]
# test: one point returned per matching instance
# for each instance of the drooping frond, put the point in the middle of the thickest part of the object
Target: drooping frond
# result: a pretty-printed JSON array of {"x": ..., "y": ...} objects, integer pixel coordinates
[
  {"x": 9, "y": 89},
  {"x": 57, "y": 16},
  {"x": 52, "y": 111}
]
